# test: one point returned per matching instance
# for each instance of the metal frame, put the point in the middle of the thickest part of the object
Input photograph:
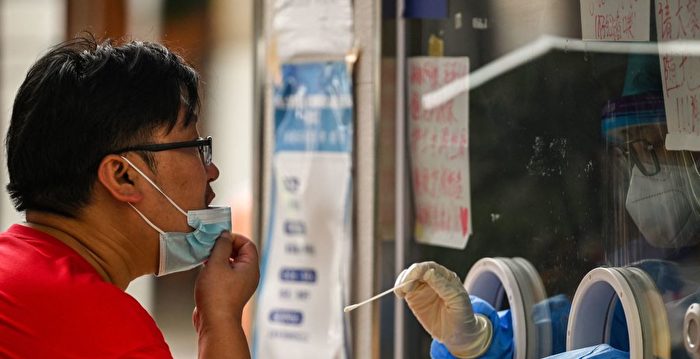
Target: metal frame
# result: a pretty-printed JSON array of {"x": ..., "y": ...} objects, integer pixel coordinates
[{"x": 400, "y": 209}]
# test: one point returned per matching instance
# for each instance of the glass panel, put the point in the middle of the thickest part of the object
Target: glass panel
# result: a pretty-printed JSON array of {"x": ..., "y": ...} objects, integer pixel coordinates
[{"x": 567, "y": 157}]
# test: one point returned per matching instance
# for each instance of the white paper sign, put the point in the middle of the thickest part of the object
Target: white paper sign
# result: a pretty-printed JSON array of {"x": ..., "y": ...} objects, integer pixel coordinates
[
  {"x": 439, "y": 154},
  {"x": 313, "y": 27},
  {"x": 680, "y": 73},
  {"x": 615, "y": 20}
]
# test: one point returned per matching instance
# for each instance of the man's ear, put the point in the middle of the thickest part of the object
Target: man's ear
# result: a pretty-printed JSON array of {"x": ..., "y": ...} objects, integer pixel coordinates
[{"x": 116, "y": 177}]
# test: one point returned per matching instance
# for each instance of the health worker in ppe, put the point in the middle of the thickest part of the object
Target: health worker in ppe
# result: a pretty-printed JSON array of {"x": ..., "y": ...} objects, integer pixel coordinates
[
  {"x": 654, "y": 199},
  {"x": 652, "y": 218},
  {"x": 652, "y": 214},
  {"x": 663, "y": 205}
]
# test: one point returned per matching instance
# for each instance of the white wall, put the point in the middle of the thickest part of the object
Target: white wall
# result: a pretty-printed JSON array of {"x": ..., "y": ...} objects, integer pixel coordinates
[
  {"x": 228, "y": 100},
  {"x": 27, "y": 29}
]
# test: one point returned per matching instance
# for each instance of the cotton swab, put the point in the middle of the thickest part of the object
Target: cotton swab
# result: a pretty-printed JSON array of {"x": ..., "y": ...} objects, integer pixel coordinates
[{"x": 354, "y": 306}]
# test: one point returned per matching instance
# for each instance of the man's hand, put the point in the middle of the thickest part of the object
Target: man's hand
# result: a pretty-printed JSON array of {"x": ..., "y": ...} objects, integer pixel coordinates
[{"x": 226, "y": 282}]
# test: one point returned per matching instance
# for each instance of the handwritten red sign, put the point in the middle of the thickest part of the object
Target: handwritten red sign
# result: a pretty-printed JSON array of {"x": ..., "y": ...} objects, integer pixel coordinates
[
  {"x": 439, "y": 142},
  {"x": 615, "y": 20},
  {"x": 680, "y": 72}
]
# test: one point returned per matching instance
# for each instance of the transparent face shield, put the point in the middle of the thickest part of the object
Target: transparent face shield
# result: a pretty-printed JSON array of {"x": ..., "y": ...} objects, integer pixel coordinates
[
  {"x": 653, "y": 218},
  {"x": 655, "y": 195},
  {"x": 663, "y": 194}
]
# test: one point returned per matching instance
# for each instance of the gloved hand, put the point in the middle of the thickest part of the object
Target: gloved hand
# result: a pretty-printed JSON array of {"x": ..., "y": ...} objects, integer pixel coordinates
[
  {"x": 501, "y": 346},
  {"x": 441, "y": 304}
]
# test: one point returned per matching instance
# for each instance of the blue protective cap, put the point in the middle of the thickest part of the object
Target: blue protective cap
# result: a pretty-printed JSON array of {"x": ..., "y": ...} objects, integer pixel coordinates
[
  {"x": 631, "y": 111},
  {"x": 642, "y": 101}
]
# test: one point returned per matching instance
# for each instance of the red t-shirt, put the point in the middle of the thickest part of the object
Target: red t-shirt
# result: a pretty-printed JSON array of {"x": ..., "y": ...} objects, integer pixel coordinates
[{"x": 53, "y": 304}]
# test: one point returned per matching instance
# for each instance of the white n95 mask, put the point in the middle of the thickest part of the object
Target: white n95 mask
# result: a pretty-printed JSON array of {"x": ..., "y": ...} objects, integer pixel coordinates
[
  {"x": 661, "y": 207},
  {"x": 180, "y": 251}
]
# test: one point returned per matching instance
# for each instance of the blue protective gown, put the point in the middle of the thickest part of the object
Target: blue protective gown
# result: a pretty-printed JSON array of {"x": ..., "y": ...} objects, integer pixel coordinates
[
  {"x": 502, "y": 341},
  {"x": 555, "y": 309},
  {"x": 555, "y": 312},
  {"x": 602, "y": 351}
]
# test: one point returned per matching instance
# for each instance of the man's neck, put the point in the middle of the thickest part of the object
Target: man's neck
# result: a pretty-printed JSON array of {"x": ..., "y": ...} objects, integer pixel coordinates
[{"x": 105, "y": 247}]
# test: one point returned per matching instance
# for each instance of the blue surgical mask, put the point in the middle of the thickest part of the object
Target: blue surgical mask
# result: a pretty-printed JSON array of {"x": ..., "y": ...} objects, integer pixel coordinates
[{"x": 181, "y": 251}]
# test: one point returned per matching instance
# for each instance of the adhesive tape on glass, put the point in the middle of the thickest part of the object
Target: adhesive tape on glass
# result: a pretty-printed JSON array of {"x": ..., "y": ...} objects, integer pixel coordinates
[
  {"x": 593, "y": 305},
  {"x": 517, "y": 281},
  {"x": 691, "y": 330}
]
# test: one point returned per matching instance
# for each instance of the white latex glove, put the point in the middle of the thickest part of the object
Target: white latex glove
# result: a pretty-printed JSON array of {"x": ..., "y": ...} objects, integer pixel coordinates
[{"x": 441, "y": 303}]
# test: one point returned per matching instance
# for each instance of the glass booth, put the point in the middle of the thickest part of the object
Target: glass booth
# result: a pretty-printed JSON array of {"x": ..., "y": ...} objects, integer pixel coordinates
[{"x": 560, "y": 133}]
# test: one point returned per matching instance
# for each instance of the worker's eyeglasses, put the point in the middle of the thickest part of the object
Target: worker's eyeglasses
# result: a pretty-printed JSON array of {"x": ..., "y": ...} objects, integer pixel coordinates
[
  {"x": 202, "y": 144},
  {"x": 643, "y": 155}
]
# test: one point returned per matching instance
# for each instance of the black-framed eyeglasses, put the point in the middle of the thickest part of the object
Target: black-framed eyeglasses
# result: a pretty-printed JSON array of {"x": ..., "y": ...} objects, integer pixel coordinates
[
  {"x": 643, "y": 155},
  {"x": 203, "y": 145}
]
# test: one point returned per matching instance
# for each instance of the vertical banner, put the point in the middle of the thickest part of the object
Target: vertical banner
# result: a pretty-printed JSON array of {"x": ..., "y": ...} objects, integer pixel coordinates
[
  {"x": 680, "y": 73},
  {"x": 306, "y": 257},
  {"x": 439, "y": 153}
]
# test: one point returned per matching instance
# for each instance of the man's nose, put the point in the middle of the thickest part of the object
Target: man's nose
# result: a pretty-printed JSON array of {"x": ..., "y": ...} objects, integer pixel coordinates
[{"x": 212, "y": 172}]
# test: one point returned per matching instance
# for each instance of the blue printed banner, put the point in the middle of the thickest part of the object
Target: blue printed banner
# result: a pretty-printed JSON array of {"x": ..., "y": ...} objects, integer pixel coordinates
[{"x": 306, "y": 256}]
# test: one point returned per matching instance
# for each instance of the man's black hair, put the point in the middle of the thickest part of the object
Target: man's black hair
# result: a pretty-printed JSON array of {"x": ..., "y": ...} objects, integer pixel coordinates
[{"x": 82, "y": 101}]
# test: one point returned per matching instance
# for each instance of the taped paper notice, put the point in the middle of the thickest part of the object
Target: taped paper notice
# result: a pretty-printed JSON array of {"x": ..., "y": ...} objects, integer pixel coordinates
[
  {"x": 680, "y": 73},
  {"x": 313, "y": 27},
  {"x": 439, "y": 154},
  {"x": 615, "y": 20}
]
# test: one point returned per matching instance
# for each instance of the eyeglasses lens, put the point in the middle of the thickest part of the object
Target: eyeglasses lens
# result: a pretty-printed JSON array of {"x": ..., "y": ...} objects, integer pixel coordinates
[
  {"x": 644, "y": 156},
  {"x": 205, "y": 153}
]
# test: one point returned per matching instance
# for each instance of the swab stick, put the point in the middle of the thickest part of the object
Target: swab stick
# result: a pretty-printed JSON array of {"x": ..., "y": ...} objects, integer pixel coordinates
[{"x": 354, "y": 306}]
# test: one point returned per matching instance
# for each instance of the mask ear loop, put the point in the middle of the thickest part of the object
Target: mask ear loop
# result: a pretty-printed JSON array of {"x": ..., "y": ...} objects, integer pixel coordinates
[
  {"x": 147, "y": 220},
  {"x": 155, "y": 186}
]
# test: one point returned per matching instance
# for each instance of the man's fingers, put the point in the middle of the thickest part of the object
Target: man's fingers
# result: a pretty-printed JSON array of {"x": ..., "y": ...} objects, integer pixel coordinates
[
  {"x": 244, "y": 250},
  {"x": 230, "y": 247},
  {"x": 222, "y": 248}
]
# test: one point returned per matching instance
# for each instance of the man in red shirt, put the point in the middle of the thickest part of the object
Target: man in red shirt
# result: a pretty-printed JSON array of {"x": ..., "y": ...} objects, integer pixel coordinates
[{"x": 105, "y": 159}]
